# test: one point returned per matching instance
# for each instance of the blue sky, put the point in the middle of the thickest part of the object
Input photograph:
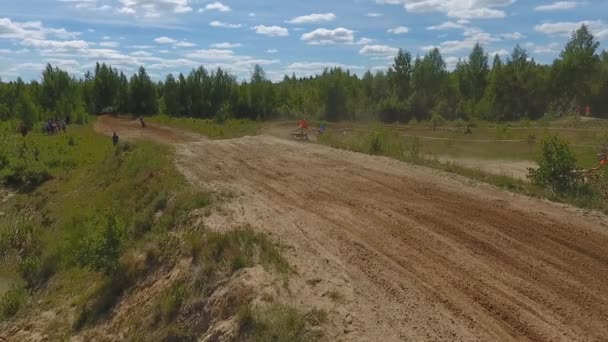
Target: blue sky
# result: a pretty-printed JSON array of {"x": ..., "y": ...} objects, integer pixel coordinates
[{"x": 284, "y": 36}]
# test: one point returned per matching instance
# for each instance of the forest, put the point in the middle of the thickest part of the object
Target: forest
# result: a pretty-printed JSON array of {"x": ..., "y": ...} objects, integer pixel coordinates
[{"x": 481, "y": 87}]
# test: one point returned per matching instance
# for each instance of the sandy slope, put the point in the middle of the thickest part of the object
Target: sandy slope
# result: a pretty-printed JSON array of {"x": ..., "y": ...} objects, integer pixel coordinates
[{"x": 416, "y": 253}]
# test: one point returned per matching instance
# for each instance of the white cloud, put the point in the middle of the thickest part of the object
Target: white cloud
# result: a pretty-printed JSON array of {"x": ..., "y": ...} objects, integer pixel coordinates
[
  {"x": 448, "y": 25},
  {"x": 378, "y": 51},
  {"x": 216, "y": 6},
  {"x": 271, "y": 31},
  {"x": 598, "y": 27},
  {"x": 154, "y": 8},
  {"x": 142, "y": 47},
  {"x": 272, "y": 51},
  {"x": 31, "y": 29},
  {"x": 165, "y": 40},
  {"x": 55, "y": 44},
  {"x": 313, "y": 18},
  {"x": 464, "y": 9},
  {"x": 141, "y": 54},
  {"x": 224, "y": 25},
  {"x": 184, "y": 44},
  {"x": 126, "y": 10},
  {"x": 501, "y": 53},
  {"x": 558, "y": 6},
  {"x": 226, "y": 45},
  {"x": 365, "y": 41},
  {"x": 109, "y": 44},
  {"x": 398, "y": 30},
  {"x": 374, "y": 15},
  {"x": 327, "y": 37},
  {"x": 512, "y": 36},
  {"x": 305, "y": 69},
  {"x": 450, "y": 62},
  {"x": 551, "y": 48}
]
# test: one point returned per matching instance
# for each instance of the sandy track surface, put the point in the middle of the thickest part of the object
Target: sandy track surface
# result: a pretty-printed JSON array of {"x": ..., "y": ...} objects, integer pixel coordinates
[{"x": 417, "y": 254}]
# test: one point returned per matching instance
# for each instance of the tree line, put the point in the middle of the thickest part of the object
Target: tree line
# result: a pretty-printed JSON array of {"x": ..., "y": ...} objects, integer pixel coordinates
[{"x": 418, "y": 88}]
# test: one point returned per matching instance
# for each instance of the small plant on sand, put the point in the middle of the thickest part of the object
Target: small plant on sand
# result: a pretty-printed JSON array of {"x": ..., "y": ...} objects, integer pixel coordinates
[{"x": 557, "y": 166}]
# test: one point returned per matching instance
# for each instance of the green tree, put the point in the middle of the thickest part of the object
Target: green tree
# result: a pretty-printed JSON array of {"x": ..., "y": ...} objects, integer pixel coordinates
[
  {"x": 143, "y": 98},
  {"x": 401, "y": 74}
]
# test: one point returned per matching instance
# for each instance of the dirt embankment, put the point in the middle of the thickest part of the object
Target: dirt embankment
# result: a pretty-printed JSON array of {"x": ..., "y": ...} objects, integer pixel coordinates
[{"x": 412, "y": 253}]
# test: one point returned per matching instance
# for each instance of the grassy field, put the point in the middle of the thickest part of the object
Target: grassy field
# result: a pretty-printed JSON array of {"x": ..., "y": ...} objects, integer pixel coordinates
[
  {"x": 231, "y": 128},
  {"x": 91, "y": 221},
  {"x": 420, "y": 144},
  {"x": 515, "y": 142}
]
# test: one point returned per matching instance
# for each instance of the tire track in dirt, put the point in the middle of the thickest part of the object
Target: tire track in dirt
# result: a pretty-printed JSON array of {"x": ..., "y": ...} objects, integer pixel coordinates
[{"x": 419, "y": 254}]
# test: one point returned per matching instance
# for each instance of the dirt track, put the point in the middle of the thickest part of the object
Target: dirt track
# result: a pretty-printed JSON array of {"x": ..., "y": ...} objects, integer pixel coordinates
[{"x": 418, "y": 254}]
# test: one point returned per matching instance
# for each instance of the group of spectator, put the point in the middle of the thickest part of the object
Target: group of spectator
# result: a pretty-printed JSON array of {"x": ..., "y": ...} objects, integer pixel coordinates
[{"x": 54, "y": 126}]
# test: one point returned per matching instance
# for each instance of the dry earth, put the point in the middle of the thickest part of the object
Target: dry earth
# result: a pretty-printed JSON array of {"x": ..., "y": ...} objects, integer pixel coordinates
[{"x": 413, "y": 253}]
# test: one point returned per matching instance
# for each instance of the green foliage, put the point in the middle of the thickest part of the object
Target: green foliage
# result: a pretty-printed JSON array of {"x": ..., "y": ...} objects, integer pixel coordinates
[
  {"x": 236, "y": 249},
  {"x": 172, "y": 301},
  {"x": 99, "y": 247},
  {"x": 376, "y": 143},
  {"x": 11, "y": 302},
  {"x": 557, "y": 166},
  {"x": 278, "y": 323},
  {"x": 21, "y": 237}
]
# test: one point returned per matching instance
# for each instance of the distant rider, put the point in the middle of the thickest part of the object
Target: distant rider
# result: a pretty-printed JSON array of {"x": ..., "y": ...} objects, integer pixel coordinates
[
  {"x": 141, "y": 120},
  {"x": 303, "y": 126},
  {"x": 115, "y": 139}
]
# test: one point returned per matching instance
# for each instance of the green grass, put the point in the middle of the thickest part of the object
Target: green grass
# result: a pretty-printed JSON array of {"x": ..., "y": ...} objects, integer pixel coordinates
[
  {"x": 388, "y": 141},
  {"x": 451, "y": 139},
  {"x": 98, "y": 203},
  {"x": 11, "y": 301},
  {"x": 231, "y": 128},
  {"x": 279, "y": 323}
]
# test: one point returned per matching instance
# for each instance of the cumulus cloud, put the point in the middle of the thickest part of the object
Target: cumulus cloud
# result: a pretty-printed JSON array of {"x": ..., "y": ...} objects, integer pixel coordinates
[
  {"x": 272, "y": 51},
  {"x": 313, "y": 18},
  {"x": 165, "y": 40},
  {"x": 398, "y": 30},
  {"x": 109, "y": 44},
  {"x": 378, "y": 51},
  {"x": 327, "y": 37},
  {"x": 224, "y": 25},
  {"x": 56, "y": 44},
  {"x": 374, "y": 15},
  {"x": 184, "y": 44},
  {"x": 598, "y": 27},
  {"x": 226, "y": 45},
  {"x": 464, "y": 9},
  {"x": 365, "y": 41},
  {"x": 558, "y": 6},
  {"x": 448, "y": 25},
  {"x": 32, "y": 29},
  {"x": 216, "y": 6},
  {"x": 154, "y": 8},
  {"x": 271, "y": 31}
]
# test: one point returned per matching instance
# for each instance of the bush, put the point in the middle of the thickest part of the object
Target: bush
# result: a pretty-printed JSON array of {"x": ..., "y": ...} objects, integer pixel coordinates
[
  {"x": 278, "y": 323},
  {"x": 11, "y": 302},
  {"x": 557, "y": 166},
  {"x": 99, "y": 248},
  {"x": 376, "y": 143},
  {"x": 28, "y": 270},
  {"x": 172, "y": 301}
]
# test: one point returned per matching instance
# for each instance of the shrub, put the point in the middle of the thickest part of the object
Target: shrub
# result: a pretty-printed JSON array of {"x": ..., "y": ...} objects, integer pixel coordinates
[
  {"x": 600, "y": 183},
  {"x": 28, "y": 270},
  {"x": 278, "y": 323},
  {"x": 99, "y": 248},
  {"x": 557, "y": 166},
  {"x": 376, "y": 143},
  {"x": 172, "y": 301},
  {"x": 11, "y": 302}
]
